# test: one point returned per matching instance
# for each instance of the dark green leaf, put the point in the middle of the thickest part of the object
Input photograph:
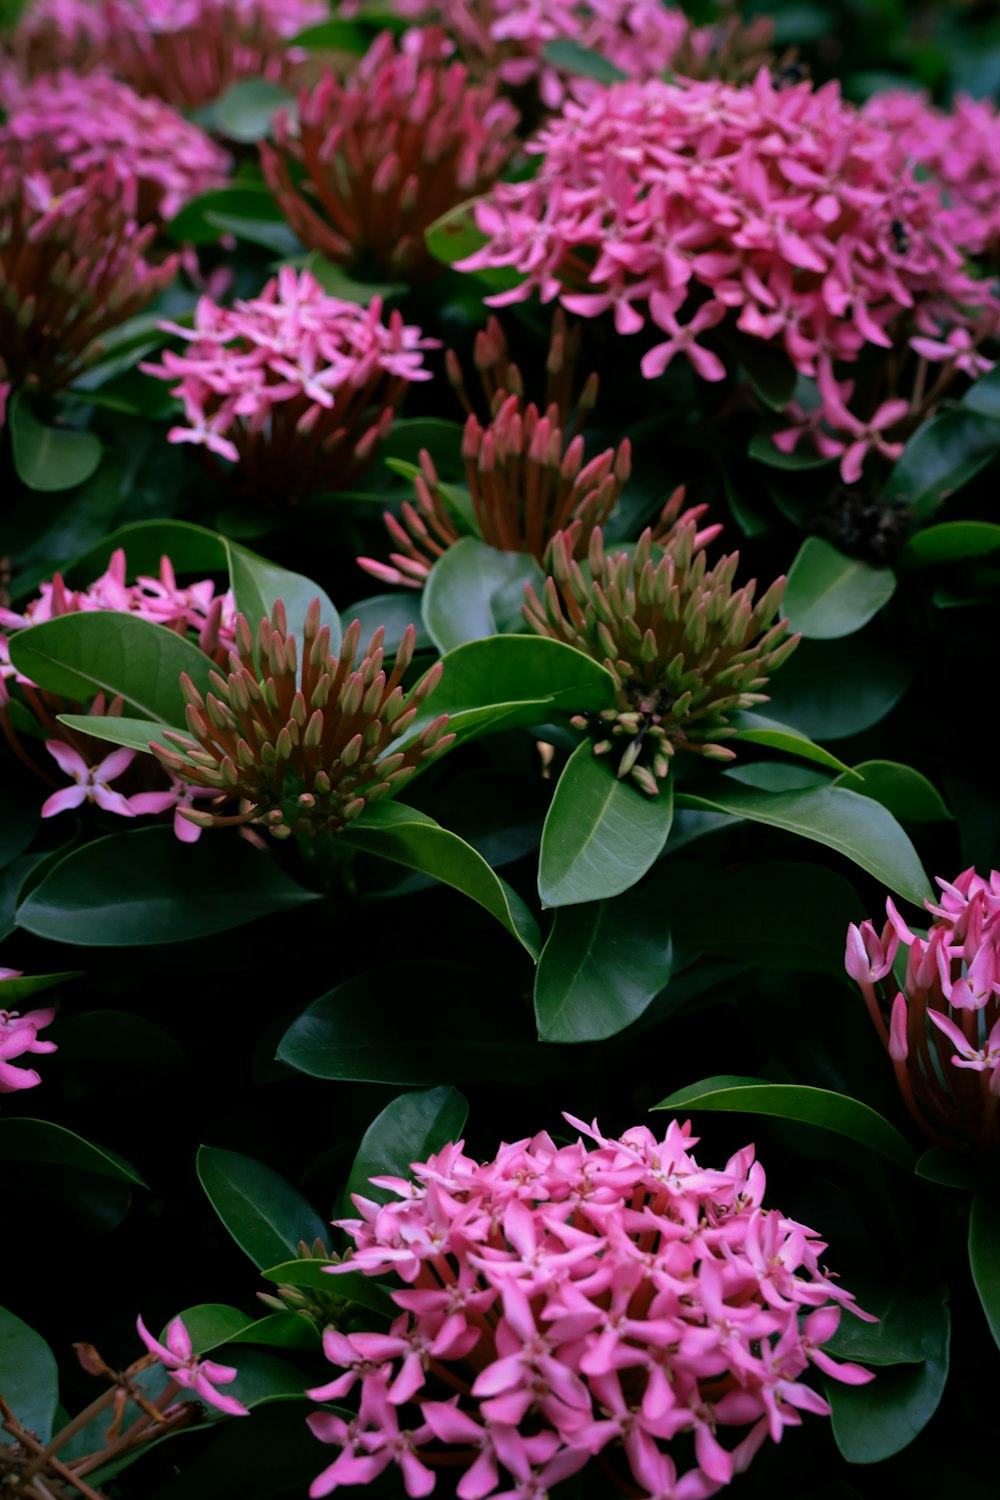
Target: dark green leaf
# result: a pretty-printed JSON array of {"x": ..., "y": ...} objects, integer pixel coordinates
[
  {"x": 245, "y": 111},
  {"x": 332, "y": 36},
  {"x": 768, "y": 368},
  {"x": 410, "y": 1128},
  {"x": 831, "y": 690},
  {"x": 134, "y": 734},
  {"x": 247, "y": 201},
  {"x": 14, "y": 992},
  {"x": 145, "y": 886},
  {"x": 941, "y": 456},
  {"x": 829, "y": 595},
  {"x": 601, "y": 835},
  {"x": 455, "y": 235},
  {"x": 265, "y": 1215},
  {"x": 210, "y": 1324},
  {"x": 855, "y": 826},
  {"x": 191, "y": 549},
  {"x": 752, "y": 729},
  {"x": 951, "y": 541},
  {"x": 29, "y": 1379},
  {"x": 352, "y": 1285},
  {"x": 278, "y": 238},
  {"x": 953, "y": 1169},
  {"x": 257, "y": 583},
  {"x": 410, "y": 838},
  {"x": 500, "y": 813},
  {"x": 261, "y": 1378},
  {"x": 603, "y": 964},
  {"x": 582, "y": 62},
  {"x": 983, "y": 396},
  {"x": 335, "y": 281},
  {"x": 984, "y": 1255},
  {"x": 284, "y": 1330},
  {"x": 475, "y": 591},
  {"x": 836, "y": 1112},
  {"x": 395, "y": 613},
  {"x": 803, "y": 457},
  {"x": 80, "y": 655},
  {"x": 22, "y": 1139},
  {"x": 905, "y": 792},
  {"x": 49, "y": 458}
]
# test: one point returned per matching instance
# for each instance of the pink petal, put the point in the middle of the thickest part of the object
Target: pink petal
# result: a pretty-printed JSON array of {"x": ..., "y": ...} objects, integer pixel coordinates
[{"x": 70, "y": 796}]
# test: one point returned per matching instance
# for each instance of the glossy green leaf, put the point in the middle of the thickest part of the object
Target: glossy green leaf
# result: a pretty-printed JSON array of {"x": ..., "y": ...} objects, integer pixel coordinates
[
  {"x": 509, "y": 680},
  {"x": 265, "y": 1215},
  {"x": 281, "y": 1330},
  {"x": 855, "y": 826},
  {"x": 23, "y": 1139},
  {"x": 753, "y": 729},
  {"x": 831, "y": 690},
  {"x": 475, "y": 591},
  {"x": 905, "y": 792},
  {"x": 603, "y": 964},
  {"x": 134, "y": 734},
  {"x": 941, "y": 456},
  {"x": 245, "y": 111},
  {"x": 984, "y": 1255},
  {"x": 909, "y": 1347},
  {"x": 395, "y": 613},
  {"x": 411, "y": 838},
  {"x": 419, "y": 1023},
  {"x": 29, "y": 1378},
  {"x": 14, "y": 992},
  {"x": 332, "y": 36},
  {"x": 80, "y": 655},
  {"x": 49, "y": 458},
  {"x": 951, "y": 541},
  {"x": 983, "y": 395},
  {"x": 829, "y": 595},
  {"x": 601, "y": 834},
  {"x": 191, "y": 549},
  {"x": 262, "y": 1378},
  {"x": 145, "y": 886},
  {"x": 210, "y": 1324},
  {"x": 953, "y": 1169},
  {"x": 786, "y": 1101},
  {"x": 352, "y": 1285},
  {"x": 410, "y": 1128},
  {"x": 583, "y": 62},
  {"x": 249, "y": 200},
  {"x": 803, "y": 457},
  {"x": 257, "y": 584}
]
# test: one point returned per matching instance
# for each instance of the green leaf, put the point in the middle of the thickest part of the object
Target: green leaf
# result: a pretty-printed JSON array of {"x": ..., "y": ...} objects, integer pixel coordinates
[
  {"x": 191, "y": 549},
  {"x": 507, "y": 681},
  {"x": 14, "y": 992},
  {"x": 763, "y": 450},
  {"x": 831, "y": 690},
  {"x": 337, "y": 283},
  {"x": 23, "y": 1139},
  {"x": 49, "y": 458},
  {"x": 257, "y": 583},
  {"x": 80, "y": 655},
  {"x": 280, "y": 239},
  {"x": 284, "y": 1330},
  {"x": 265, "y": 1215},
  {"x": 332, "y": 36},
  {"x": 829, "y": 595},
  {"x": 602, "y": 966},
  {"x": 872, "y": 1422},
  {"x": 353, "y": 1285},
  {"x": 249, "y": 201},
  {"x": 786, "y": 1101},
  {"x": 144, "y": 887},
  {"x": 245, "y": 111},
  {"x": 29, "y": 1378},
  {"x": 418, "y": 1023},
  {"x": 954, "y": 1169},
  {"x": 261, "y": 1378},
  {"x": 210, "y": 1324},
  {"x": 984, "y": 1255},
  {"x": 951, "y": 541},
  {"x": 601, "y": 834},
  {"x": 455, "y": 235},
  {"x": 441, "y": 439},
  {"x": 475, "y": 591},
  {"x": 941, "y": 456},
  {"x": 983, "y": 396},
  {"x": 409, "y": 1129},
  {"x": 855, "y": 826},
  {"x": 134, "y": 734},
  {"x": 768, "y": 369},
  {"x": 410, "y": 838},
  {"x": 395, "y": 613},
  {"x": 582, "y": 62},
  {"x": 753, "y": 729},
  {"x": 905, "y": 792}
]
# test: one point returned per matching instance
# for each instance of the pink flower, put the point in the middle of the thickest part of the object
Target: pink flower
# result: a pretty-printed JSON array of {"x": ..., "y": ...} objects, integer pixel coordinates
[
  {"x": 584, "y": 1301},
  {"x": 186, "y": 1369},
  {"x": 18, "y": 1035},
  {"x": 91, "y": 782}
]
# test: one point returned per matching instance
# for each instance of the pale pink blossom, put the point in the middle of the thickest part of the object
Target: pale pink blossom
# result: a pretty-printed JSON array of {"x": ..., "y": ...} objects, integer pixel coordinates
[
  {"x": 90, "y": 783},
  {"x": 187, "y": 1369}
]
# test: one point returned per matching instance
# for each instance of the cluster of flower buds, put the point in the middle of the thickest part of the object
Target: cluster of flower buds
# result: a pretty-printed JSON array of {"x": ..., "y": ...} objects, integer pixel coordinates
[
  {"x": 948, "y": 1071},
  {"x": 604, "y": 1304},
  {"x": 18, "y": 1036},
  {"x": 296, "y": 387},
  {"x": 71, "y": 267},
  {"x": 685, "y": 648},
  {"x": 367, "y": 165},
  {"x": 305, "y": 753},
  {"x": 159, "y": 159},
  {"x": 786, "y": 211}
]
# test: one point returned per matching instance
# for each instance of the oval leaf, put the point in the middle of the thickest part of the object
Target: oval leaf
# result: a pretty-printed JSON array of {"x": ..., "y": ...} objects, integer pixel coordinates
[
  {"x": 43, "y": 1141},
  {"x": 410, "y": 838},
  {"x": 984, "y": 1255},
  {"x": 833, "y": 689},
  {"x": 134, "y": 734},
  {"x": 29, "y": 1378},
  {"x": 49, "y": 458},
  {"x": 582, "y": 62},
  {"x": 145, "y": 886},
  {"x": 191, "y": 549},
  {"x": 952, "y": 541},
  {"x": 941, "y": 456},
  {"x": 475, "y": 591},
  {"x": 409, "y": 1129},
  {"x": 265, "y": 1215},
  {"x": 245, "y": 111},
  {"x": 753, "y": 729},
  {"x": 905, "y": 792},
  {"x": 836, "y": 1112},
  {"x": 601, "y": 834},
  {"x": 830, "y": 595},
  {"x": 257, "y": 583}
]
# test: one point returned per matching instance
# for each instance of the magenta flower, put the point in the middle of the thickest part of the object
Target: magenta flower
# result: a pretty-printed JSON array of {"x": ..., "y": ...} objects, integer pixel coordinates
[
  {"x": 90, "y": 782},
  {"x": 186, "y": 1369},
  {"x": 19, "y": 1035},
  {"x": 565, "y": 1305}
]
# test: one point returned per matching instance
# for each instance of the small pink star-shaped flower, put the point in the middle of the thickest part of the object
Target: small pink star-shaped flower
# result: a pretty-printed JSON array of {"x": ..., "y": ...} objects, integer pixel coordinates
[
  {"x": 199, "y": 1375},
  {"x": 91, "y": 782}
]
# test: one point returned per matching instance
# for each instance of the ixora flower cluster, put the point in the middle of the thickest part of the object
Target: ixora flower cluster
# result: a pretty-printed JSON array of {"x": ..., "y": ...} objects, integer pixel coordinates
[
  {"x": 784, "y": 210},
  {"x": 574, "y": 1304},
  {"x": 685, "y": 648},
  {"x": 296, "y": 387},
  {"x": 949, "y": 1070},
  {"x": 367, "y": 165},
  {"x": 196, "y": 609},
  {"x": 18, "y": 1036},
  {"x": 303, "y": 753}
]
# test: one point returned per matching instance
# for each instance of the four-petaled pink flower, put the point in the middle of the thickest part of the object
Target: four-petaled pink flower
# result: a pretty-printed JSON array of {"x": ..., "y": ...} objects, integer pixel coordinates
[
  {"x": 90, "y": 782},
  {"x": 185, "y": 1368},
  {"x": 19, "y": 1035}
]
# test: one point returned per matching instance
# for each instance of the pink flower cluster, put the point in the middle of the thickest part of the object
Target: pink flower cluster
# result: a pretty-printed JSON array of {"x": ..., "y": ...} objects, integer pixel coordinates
[
  {"x": 569, "y": 1303},
  {"x": 160, "y": 160},
  {"x": 783, "y": 210},
  {"x": 201, "y": 1376},
  {"x": 948, "y": 1071},
  {"x": 19, "y": 1035},
  {"x": 295, "y": 386}
]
